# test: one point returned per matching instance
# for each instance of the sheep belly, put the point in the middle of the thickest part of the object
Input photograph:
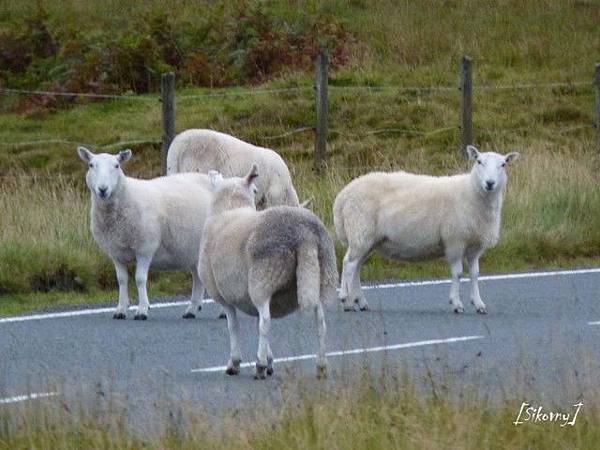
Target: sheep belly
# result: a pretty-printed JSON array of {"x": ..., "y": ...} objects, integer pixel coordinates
[{"x": 410, "y": 250}]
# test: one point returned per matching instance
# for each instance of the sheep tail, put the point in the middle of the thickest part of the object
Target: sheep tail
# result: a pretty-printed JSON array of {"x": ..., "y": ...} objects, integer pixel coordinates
[{"x": 308, "y": 276}]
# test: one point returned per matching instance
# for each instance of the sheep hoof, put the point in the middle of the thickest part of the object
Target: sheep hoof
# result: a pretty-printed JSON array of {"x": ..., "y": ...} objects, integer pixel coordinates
[
  {"x": 269, "y": 366},
  {"x": 199, "y": 307},
  {"x": 119, "y": 316},
  {"x": 348, "y": 308},
  {"x": 459, "y": 310},
  {"x": 481, "y": 311},
  {"x": 260, "y": 372},
  {"x": 232, "y": 371},
  {"x": 140, "y": 317},
  {"x": 364, "y": 308},
  {"x": 222, "y": 316},
  {"x": 189, "y": 315}
]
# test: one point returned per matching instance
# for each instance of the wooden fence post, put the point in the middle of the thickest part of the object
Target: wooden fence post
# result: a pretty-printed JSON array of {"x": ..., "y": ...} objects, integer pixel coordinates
[
  {"x": 597, "y": 83},
  {"x": 466, "y": 112},
  {"x": 167, "y": 97},
  {"x": 321, "y": 110}
]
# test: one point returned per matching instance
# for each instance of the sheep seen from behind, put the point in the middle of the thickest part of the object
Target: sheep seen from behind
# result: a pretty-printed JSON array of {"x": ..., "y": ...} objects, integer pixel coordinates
[{"x": 265, "y": 263}]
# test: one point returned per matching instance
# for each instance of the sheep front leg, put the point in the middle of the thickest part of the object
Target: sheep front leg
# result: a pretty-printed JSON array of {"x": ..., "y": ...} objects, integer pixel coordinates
[
  {"x": 456, "y": 270},
  {"x": 235, "y": 355},
  {"x": 264, "y": 326},
  {"x": 122, "y": 279},
  {"x": 321, "y": 332},
  {"x": 197, "y": 296},
  {"x": 473, "y": 261},
  {"x": 141, "y": 280}
]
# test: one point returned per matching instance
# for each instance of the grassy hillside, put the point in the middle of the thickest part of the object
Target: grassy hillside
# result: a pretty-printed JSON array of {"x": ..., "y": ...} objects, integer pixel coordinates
[{"x": 553, "y": 198}]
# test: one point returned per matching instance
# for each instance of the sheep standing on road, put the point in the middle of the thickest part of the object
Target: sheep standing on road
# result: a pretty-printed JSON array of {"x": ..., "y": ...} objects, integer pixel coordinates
[
  {"x": 265, "y": 263},
  {"x": 203, "y": 150},
  {"x": 152, "y": 223},
  {"x": 412, "y": 217}
]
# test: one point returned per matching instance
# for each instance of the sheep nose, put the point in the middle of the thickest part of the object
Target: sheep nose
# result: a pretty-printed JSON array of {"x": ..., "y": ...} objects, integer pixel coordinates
[
  {"x": 103, "y": 191},
  {"x": 490, "y": 185}
]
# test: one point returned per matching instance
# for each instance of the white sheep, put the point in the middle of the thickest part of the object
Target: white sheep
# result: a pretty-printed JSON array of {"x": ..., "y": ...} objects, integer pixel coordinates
[
  {"x": 266, "y": 264},
  {"x": 153, "y": 223},
  {"x": 197, "y": 150},
  {"x": 413, "y": 217}
]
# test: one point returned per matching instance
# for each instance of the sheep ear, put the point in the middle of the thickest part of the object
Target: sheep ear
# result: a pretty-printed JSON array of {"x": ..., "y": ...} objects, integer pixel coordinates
[
  {"x": 512, "y": 156},
  {"x": 472, "y": 152},
  {"x": 125, "y": 155},
  {"x": 252, "y": 174},
  {"x": 215, "y": 177},
  {"x": 84, "y": 154}
]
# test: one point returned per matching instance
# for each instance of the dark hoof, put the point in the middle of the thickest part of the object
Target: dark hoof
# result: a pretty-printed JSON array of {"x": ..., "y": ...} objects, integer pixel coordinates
[
  {"x": 189, "y": 315},
  {"x": 232, "y": 371},
  {"x": 119, "y": 316},
  {"x": 222, "y": 316},
  {"x": 481, "y": 311},
  {"x": 270, "y": 366},
  {"x": 140, "y": 317},
  {"x": 459, "y": 310},
  {"x": 365, "y": 308},
  {"x": 260, "y": 373}
]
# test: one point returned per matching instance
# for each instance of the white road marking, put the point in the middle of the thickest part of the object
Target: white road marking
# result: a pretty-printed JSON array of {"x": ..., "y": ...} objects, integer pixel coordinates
[
  {"x": 355, "y": 351},
  {"x": 23, "y": 398},
  {"x": 508, "y": 276},
  {"x": 594, "y": 323},
  {"x": 87, "y": 312}
]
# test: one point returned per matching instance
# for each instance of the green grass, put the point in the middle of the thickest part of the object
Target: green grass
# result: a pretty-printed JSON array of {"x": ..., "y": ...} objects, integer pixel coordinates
[
  {"x": 374, "y": 413},
  {"x": 549, "y": 219}
]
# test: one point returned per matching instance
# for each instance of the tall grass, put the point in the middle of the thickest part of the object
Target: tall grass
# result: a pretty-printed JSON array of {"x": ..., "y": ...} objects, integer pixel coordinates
[{"x": 374, "y": 413}]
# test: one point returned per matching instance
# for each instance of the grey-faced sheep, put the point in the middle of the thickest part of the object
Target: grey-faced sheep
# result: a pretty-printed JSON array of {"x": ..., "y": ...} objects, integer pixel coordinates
[
  {"x": 153, "y": 223},
  {"x": 265, "y": 263},
  {"x": 413, "y": 217},
  {"x": 197, "y": 150}
]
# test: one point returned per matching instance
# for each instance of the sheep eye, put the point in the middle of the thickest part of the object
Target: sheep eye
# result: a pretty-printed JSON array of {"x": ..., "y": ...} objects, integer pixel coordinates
[
  {"x": 479, "y": 162},
  {"x": 503, "y": 164},
  {"x": 91, "y": 165},
  {"x": 116, "y": 166}
]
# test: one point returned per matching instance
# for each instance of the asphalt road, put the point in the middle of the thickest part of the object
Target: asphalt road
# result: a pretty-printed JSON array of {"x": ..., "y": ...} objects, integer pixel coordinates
[{"x": 539, "y": 341}]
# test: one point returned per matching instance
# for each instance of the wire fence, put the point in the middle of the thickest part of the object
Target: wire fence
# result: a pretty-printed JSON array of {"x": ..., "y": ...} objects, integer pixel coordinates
[{"x": 331, "y": 86}]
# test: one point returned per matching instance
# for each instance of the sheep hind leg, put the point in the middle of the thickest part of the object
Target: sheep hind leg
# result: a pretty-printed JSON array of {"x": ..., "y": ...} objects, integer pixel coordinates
[
  {"x": 264, "y": 326},
  {"x": 360, "y": 299},
  {"x": 473, "y": 261},
  {"x": 321, "y": 333},
  {"x": 235, "y": 356},
  {"x": 349, "y": 295},
  {"x": 456, "y": 270},
  {"x": 197, "y": 296}
]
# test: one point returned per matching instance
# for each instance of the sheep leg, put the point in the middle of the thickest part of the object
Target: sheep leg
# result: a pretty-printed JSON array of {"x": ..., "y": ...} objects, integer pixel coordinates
[
  {"x": 122, "y": 279},
  {"x": 357, "y": 289},
  {"x": 456, "y": 268},
  {"x": 197, "y": 296},
  {"x": 141, "y": 280},
  {"x": 321, "y": 332},
  {"x": 235, "y": 355},
  {"x": 269, "y": 359},
  {"x": 473, "y": 261},
  {"x": 348, "y": 291},
  {"x": 264, "y": 326}
]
